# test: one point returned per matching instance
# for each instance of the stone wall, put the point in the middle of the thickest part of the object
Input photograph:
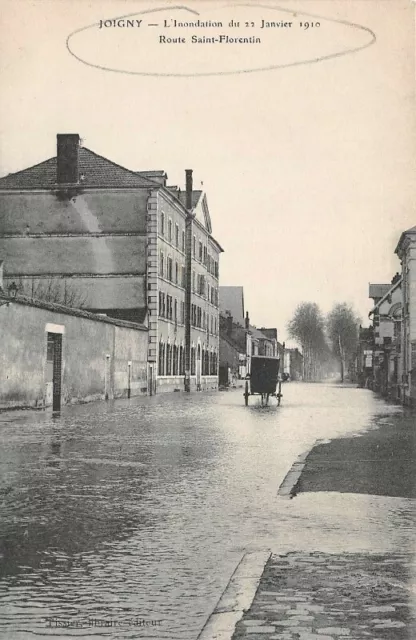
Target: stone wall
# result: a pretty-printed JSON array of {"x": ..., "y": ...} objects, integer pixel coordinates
[{"x": 99, "y": 356}]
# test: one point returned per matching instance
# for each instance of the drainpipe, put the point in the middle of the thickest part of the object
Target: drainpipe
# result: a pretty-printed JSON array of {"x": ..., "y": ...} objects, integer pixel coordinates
[{"x": 188, "y": 278}]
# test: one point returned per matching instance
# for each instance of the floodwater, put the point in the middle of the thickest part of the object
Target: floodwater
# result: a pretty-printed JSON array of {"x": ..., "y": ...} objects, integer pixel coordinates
[{"x": 136, "y": 512}]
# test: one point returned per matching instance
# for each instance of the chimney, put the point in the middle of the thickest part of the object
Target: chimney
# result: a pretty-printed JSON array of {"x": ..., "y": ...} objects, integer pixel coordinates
[
  {"x": 247, "y": 322},
  {"x": 67, "y": 166},
  {"x": 189, "y": 185}
]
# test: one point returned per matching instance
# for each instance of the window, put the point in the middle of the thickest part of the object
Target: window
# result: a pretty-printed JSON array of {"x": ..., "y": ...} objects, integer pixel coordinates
[
  {"x": 177, "y": 235},
  {"x": 181, "y": 361},
  {"x": 206, "y": 363},
  {"x": 201, "y": 284},
  {"x": 183, "y": 241},
  {"x": 175, "y": 361},
  {"x": 182, "y": 312},
  {"x": 170, "y": 230},
  {"x": 162, "y": 223},
  {"x": 169, "y": 307},
  {"x": 183, "y": 280},
  {"x": 168, "y": 360},
  {"x": 161, "y": 365},
  {"x": 161, "y": 265},
  {"x": 193, "y": 361},
  {"x": 200, "y": 254},
  {"x": 176, "y": 273},
  {"x": 216, "y": 269},
  {"x": 175, "y": 314},
  {"x": 193, "y": 280},
  {"x": 162, "y": 309},
  {"x": 194, "y": 247},
  {"x": 169, "y": 265},
  {"x": 205, "y": 256}
]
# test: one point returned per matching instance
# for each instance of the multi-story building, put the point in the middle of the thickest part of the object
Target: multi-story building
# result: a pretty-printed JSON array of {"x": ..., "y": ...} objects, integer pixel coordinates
[
  {"x": 406, "y": 251},
  {"x": 386, "y": 336},
  {"x": 127, "y": 246}
]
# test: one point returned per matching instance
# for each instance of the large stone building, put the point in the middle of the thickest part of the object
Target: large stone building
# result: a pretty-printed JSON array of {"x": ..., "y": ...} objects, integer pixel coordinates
[
  {"x": 126, "y": 245},
  {"x": 406, "y": 251}
]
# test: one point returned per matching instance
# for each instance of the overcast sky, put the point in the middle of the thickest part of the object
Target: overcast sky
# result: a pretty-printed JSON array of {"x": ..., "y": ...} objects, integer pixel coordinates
[{"x": 309, "y": 169}]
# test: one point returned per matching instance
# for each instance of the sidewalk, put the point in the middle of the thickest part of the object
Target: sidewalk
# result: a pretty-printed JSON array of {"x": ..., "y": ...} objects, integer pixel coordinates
[
  {"x": 379, "y": 462},
  {"x": 350, "y": 596},
  {"x": 321, "y": 596}
]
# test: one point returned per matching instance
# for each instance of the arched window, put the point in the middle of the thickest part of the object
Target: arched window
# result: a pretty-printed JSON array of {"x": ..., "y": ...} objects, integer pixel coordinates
[
  {"x": 161, "y": 364},
  {"x": 168, "y": 360},
  {"x": 214, "y": 364},
  {"x": 175, "y": 360}
]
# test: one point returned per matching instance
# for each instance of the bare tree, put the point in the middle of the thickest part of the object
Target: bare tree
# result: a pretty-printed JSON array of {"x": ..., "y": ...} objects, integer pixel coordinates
[
  {"x": 55, "y": 290},
  {"x": 342, "y": 325},
  {"x": 307, "y": 327}
]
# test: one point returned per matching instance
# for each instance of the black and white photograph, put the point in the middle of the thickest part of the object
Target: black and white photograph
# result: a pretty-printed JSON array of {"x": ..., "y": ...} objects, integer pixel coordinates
[{"x": 208, "y": 320}]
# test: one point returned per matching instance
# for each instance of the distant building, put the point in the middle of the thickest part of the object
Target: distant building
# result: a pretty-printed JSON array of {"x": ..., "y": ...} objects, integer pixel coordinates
[
  {"x": 406, "y": 251},
  {"x": 235, "y": 338},
  {"x": 232, "y": 303},
  {"x": 129, "y": 245},
  {"x": 239, "y": 340},
  {"x": 386, "y": 334},
  {"x": 293, "y": 363}
]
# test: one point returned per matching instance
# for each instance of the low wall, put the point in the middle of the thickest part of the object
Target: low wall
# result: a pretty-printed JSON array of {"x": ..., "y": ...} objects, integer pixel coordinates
[{"x": 100, "y": 357}]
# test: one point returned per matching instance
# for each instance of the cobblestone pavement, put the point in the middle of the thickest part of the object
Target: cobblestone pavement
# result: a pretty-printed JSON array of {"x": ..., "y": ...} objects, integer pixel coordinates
[{"x": 318, "y": 596}]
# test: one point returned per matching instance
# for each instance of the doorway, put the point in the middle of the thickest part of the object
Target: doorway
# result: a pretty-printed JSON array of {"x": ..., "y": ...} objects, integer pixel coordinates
[{"x": 54, "y": 368}]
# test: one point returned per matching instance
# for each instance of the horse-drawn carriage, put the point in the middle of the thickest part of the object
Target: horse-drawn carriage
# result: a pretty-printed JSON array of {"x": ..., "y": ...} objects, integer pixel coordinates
[{"x": 264, "y": 379}]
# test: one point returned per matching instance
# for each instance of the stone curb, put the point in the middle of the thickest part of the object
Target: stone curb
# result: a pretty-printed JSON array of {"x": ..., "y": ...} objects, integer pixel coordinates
[
  {"x": 237, "y": 597},
  {"x": 287, "y": 488}
]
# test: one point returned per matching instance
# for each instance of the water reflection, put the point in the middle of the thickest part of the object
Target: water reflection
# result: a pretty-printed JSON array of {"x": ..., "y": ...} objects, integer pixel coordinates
[{"x": 143, "y": 507}]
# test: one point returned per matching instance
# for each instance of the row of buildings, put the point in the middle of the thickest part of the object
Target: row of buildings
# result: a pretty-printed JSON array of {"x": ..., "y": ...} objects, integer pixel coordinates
[
  {"x": 240, "y": 340},
  {"x": 109, "y": 283},
  {"x": 387, "y": 348}
]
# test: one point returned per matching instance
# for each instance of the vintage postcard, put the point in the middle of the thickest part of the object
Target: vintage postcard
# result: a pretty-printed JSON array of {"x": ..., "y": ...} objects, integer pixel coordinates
[{"x": 207, "y": 319}]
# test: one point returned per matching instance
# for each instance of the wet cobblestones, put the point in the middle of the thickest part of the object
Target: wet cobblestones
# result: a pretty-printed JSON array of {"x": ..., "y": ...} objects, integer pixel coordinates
[{"x": 320, "y": 596}]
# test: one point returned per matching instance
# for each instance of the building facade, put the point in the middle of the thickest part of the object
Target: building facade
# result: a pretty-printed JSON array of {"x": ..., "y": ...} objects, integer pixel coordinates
[
  {"x": 386, "y": 359},
  {"x": 406, "y": 251},
  {"x": 116, "y": 242}
]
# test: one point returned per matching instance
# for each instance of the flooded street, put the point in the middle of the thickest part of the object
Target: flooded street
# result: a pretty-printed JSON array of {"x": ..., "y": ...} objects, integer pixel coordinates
[{"x": 141, "y": 509}]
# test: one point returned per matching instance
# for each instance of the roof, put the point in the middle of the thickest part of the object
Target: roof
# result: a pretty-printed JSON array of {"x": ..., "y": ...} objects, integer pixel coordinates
[
  {"x": 71, "y": 311},
  {"x": 378, "y": 290},
  {"x": 181, "y": 195},
  {"x": 257, "y": 333},
  {"x": 235, "y": 344},
  {"x": 232, "y": 302},
  {"x": 392, "y": 287},
  {"x": 408, "y": 232},
  {"x": 98, "y": 171}
]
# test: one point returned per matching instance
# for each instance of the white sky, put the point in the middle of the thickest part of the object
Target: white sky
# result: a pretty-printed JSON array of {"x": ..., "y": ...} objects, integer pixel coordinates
[{"x": 309, "y": 170}]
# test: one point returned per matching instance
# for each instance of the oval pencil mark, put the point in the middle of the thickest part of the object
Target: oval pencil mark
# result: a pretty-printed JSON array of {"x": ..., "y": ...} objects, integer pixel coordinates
[{"x": 183, "y": 54}]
